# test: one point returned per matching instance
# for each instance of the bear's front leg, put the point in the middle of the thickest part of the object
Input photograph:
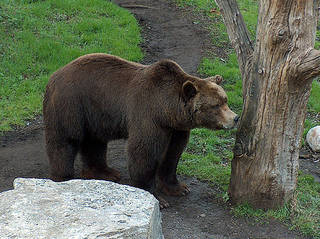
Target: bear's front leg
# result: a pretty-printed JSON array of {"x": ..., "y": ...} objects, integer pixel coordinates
[
  {"x": 167, "y": 177},
  {"x": 145, "y": 151}
]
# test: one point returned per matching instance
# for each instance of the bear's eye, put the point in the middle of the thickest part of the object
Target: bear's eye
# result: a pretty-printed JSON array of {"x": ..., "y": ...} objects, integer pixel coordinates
[{"x": 216, "y": 106}]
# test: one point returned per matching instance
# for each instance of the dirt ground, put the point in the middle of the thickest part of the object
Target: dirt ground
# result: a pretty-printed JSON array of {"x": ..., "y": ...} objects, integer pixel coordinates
[{"x": 168, "y": 33}]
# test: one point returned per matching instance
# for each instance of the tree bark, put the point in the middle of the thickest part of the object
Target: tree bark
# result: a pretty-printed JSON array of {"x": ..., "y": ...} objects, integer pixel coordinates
[{"x": 277, "y": 75}]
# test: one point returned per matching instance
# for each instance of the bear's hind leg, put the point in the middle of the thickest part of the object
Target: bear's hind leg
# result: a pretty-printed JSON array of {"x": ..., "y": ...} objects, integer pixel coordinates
[
  {"x": 93, "y": 155},
  {"x": 61, "y": 159},
  {"x": 167, "y": 178}
]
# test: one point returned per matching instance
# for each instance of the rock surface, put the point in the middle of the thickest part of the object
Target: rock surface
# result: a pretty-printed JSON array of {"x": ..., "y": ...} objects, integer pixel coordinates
[
  {"x": 41, "y": 208},
  {"x": 313, "y": 138}
]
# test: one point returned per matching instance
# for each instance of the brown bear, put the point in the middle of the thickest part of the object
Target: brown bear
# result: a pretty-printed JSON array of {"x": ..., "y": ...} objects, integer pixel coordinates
[{"x": 98, "y": 98}]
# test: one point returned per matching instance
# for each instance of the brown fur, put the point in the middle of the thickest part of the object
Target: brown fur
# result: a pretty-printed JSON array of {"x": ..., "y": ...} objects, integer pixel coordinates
[{"x": 98, "y": 98}]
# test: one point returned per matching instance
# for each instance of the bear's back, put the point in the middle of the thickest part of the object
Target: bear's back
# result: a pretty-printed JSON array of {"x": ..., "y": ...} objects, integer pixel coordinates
[{"x": 91, "y": 92}]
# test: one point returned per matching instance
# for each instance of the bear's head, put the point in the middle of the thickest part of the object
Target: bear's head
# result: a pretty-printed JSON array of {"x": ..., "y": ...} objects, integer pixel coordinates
[{"x": 206, "y": 101}]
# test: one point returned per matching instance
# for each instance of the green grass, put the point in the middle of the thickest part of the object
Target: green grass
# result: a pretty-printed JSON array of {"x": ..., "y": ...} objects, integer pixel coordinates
[
  {"x": 306, "y": 213},
  {"x": 314, "y": 102},
  {"x": 219, "y": 36},
  {"x": 208, "y": 8},
  {"x": 207, "y": 158},
  {"x": 38, "y": 37},
  {"x": 209, "y": 154},
  {"x": 202, "y": 6},
  {"x": 231, "y": 74}
]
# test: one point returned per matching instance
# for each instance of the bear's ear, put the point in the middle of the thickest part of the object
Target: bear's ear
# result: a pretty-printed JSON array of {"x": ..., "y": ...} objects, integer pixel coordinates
[
  {"x": 189, "y": 90},
  {"x": 215, "y": 79}
]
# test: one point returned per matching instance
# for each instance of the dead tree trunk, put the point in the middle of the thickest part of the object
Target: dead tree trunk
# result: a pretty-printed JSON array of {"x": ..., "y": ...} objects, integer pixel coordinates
[{"x": 277, "y": 73}]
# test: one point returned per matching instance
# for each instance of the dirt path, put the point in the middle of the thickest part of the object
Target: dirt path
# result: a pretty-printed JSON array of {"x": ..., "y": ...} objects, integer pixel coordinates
[{"x": 168, "y": 33}]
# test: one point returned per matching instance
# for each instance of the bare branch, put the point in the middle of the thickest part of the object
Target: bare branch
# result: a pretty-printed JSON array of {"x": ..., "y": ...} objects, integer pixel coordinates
[
  {"x": 309, "y": 66},
  {"x": 237, "y": 31}
]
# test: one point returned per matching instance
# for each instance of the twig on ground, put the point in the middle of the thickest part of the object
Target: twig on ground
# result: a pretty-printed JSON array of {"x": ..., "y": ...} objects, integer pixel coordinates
[{"x": 136, "y": 6}]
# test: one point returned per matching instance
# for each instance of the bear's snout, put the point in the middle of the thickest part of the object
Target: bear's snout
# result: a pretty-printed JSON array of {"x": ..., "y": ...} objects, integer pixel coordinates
[
  {"x": 236, "y": 119},
  {"x": 231, "y": 119}
]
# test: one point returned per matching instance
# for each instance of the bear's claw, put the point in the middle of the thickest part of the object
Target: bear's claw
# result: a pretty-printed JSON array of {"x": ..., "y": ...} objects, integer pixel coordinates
[
  {"x": 108, "y": 174},
  {"x": 162, "y": 202},
  {"x": 179, "y": 189}
]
